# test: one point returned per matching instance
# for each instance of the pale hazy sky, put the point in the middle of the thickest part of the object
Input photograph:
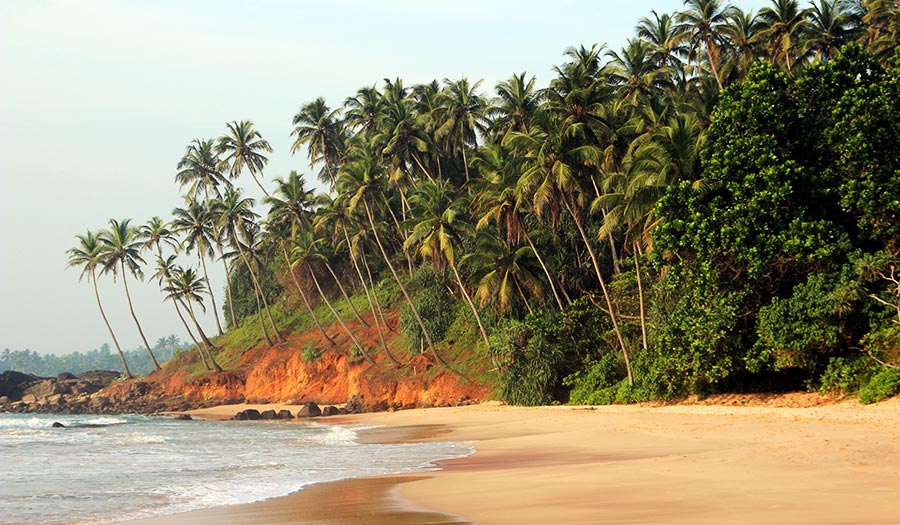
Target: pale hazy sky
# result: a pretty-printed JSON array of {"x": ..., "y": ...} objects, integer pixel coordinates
[{"x": 98, "y": 100}]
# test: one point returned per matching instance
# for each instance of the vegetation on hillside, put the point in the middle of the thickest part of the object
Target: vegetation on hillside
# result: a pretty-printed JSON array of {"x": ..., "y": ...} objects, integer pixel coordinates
[
  {"x": 51, "y": 365},
  {"x": 712, "y": 206}
]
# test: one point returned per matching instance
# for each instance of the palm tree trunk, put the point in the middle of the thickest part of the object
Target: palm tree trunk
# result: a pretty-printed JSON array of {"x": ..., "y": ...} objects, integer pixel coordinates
[
  {"x": 212, "y": 296},
  {"x": 404, "y": 205},
  {"x": 374, "y": 294},
  {"x": 637, "y": 269},
  {"x": 209, "y": 346},
  {"x": 465, "y": 160},
  {"x": 278, "y": 336},
  {"x": 612, "y": 314},
  {"x": 338, "y": 317},
  {"x": 258, "y": 184},
  {"x": 190, "y": 334},
  {"x": 227, "y": 289},
  {"x": 344, "y": 293},
  {"x": 462, "y": 288},
  {"x": 128, "y": 374},
  {"x": 522, "y": 295},
  {"x": 546, "y": 271},
  {"x": 309, "y": 307},
  {"x": 400, "y": 284},
  {"x": 713, "y": 56},
  {"x": 133, "y": 316},
  {"x": 421, "y": 167}
]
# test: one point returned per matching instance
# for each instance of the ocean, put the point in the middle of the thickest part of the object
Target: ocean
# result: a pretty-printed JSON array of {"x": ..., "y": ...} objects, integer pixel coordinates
[{"x": 102, "y": 469}]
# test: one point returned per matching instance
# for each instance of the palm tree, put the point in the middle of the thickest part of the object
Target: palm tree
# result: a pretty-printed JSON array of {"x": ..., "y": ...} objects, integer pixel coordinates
[
  {"x": 515, "y": 104},
  {"x": 745, "y": 46},
  {"x": 461, "y": 116},
  {"x": 702, "y": 26},
  {"x": 881, "y": 19},
  {"x": 636, "y": 73},
  {"x": 197, "y": 224},
  {"x": 290, "y": 209},
  {"x": 552, "y": 177},
  {"x": 306, "y": 251},
  {"x": 438, "y": 233},
  {"x": 243, "y": 147},
  {"x": 363, "y": 111},
  {"x": 661, "y": 33},
  {"x": 317, "y": 127},
  {"x": 359, "y": 181},
  {"x": 88, "y": 255},
  {"x": 831, "y": 24},
  {"x": 502, "y": 272},
  {"x": 164, "y": 273},
  {"x": 782, "y": 26},
  {"x": 186, "y": 286},
  {"x": 235, "y": 215},
  {"x": 120, "y": 251},
  {"x": 199, "y": 169}
]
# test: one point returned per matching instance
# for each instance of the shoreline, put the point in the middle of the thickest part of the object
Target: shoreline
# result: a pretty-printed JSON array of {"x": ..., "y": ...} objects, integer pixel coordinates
[{"x": 835, "y": 463}]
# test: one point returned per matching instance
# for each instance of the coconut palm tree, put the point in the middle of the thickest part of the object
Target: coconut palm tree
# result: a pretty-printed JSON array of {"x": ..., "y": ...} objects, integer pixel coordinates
[
  {"x": 782, "y": 26},
  {"x": 437, "y": 234},
  {"x": 461, "y": 116},
  {"x": 661, "y": 33},
  {"x": 235, "y": 214},
  {"x": 186, "y": 286},
  {"x": 88, "y": 255},
  {"x": 516, "y": 102},
  {"x": 361, "y": 182},
  {"x": 502, "y": 272},
  {"x": 831, "y": 24},
  {"x": 307, "y": 250},
  {"x": 362, "y": 111},
  {"x": 120, "y": 252},
  {"x": 745, "y": 47},
  {"x": 317, "y": 127},
  {"x": 199, "y": 169},
  {"x": 164, "y": 272},
  {"x": 243, "y": 147},
  {"x": 636, "y": 73},
  {"x": 196, "y": 223},
  {"x": 702, "y": 26}
]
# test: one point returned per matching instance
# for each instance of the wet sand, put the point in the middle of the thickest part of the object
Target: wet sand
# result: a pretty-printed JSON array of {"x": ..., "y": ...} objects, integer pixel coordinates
[{"x": 832, "y": 464}]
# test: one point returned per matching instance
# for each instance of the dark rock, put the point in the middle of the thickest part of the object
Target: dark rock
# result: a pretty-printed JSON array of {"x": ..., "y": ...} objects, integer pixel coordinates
[
  {"x": 183, "y": 417},
  {"x": 57, "y": 424},
  {"x": 330, "y": 411},
  {"x": 46, "y": 388},
  {"x": 285, "y": 414},
  {"x": 251, "y": 414},
  {"x": 12, "y": 383},
  {"x": 310, "y": 409},
  {"x": 355, "y": 405},
  {"x": 99, "y": 378},
  {"x": 268, "y": 415},
  {"x": 65, "y": 376}
]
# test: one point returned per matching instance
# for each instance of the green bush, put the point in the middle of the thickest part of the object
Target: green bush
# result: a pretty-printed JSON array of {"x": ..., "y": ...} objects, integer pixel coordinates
[
  {"x": 435, "y": 305},
  {"x": 598, "y": 384},
  {"x": 885, "y": 384},
  {"x": 310, "y": 353},
  {"x": 846, "y": 374}
]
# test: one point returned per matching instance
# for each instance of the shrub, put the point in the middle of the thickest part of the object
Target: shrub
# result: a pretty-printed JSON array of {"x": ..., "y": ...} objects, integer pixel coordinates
[
  {"x": 885, "y": 384},
  {"x": 310, "y": 353},
  {"x": 846, "y": 374}
]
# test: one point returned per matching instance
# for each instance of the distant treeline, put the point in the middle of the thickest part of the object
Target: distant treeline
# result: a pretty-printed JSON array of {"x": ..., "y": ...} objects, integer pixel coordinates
[{"x": 102, "y": 358}]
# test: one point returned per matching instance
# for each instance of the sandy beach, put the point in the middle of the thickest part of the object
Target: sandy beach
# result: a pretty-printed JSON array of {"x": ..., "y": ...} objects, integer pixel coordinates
[{"x": 832, "y": 464}]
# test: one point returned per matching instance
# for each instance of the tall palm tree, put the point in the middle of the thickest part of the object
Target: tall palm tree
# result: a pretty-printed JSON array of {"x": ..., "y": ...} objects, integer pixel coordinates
[
  {"x": 461, "y": 115},
  {"x": 165, "y": 269},
  {"x": 502, "y": 272},
  {"x": 235, "y": 214},
  {"x": 88, "y": 255},
  {"x": 290, "y": 208},
  {"x": 307, "y": 250},
  {"x": 661, "y": 33},
  {"x": 702, "y": 26},
  {"x": 196, "y": 223},
  {"x": 317, "y": 127},
  {"x": 745, "y": 47},
  {"x": 516, "y": 102},
  {"x": 438, "y": 233},
  {"x": 120, "y": 252},
  {"x": 783, "y": 25},
  {"x": 831, "y": 24},
  {"x": 362, "y": 111},
  {"x": 186, "y": 286},
  {"x": 360, "y": 182},
  {"x": 636, "y": 72},
  {"x": 199, "y": 169},
  {"x": 243, "y": 147}
]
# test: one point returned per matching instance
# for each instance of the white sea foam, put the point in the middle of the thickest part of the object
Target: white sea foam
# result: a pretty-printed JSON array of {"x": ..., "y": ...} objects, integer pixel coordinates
[{"x": 104, "y": 468}]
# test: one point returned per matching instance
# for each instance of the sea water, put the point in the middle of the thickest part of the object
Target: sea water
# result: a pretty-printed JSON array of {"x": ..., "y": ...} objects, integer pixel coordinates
[{"x": 102, "y": 469}]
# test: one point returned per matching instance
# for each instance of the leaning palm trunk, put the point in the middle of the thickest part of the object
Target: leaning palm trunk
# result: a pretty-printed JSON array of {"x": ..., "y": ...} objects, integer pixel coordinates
[
  {"x": 128, "y": 374},
  {"x": 612, "y": 314},
  {"x": 462, "y": 288},
  {"x": 209, "y": 346},
  {"x": 409, "y": 300},
  {"x": 344, "y": 293},
  {"x": 368, "y": 298},
  {"x": 228, "y": 289},
  {"x": 133, "y": 316},
  {"x": 637, "y": 269},
  {"x": 212, "y": 296},
  {"x": 309, "y": 307},
  {"x": 546, "y": 271},
  {"x": 191, "y": 334},
  {"x": 374, "y": 294},
  {"x": 338, "y": 318},
  {"x": 261, "y": 295}
]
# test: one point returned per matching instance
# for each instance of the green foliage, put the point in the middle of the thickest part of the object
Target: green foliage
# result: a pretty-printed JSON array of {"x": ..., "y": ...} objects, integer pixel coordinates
[
  {"x": 310, "y": 353},
  {"x": 243, "y": 293},
  {"x": 885, "y": 384},
  {"x": 435, "y": 305},
  {"x": 103, "y": 358},
  {"x": 598, "y": 384},
  {"x": 846, "y": 375}
]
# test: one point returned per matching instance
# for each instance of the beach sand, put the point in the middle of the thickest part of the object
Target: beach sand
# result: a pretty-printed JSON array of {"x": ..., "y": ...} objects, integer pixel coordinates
[{"x": 832, "y": 464}]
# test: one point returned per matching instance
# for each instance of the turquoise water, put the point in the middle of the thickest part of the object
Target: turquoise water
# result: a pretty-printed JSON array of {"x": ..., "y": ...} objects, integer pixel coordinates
[{"x": 109, "y": 468}]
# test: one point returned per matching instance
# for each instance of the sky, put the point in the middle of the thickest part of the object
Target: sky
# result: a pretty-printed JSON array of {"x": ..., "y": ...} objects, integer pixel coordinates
[{"x": 99, "y": 98}]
